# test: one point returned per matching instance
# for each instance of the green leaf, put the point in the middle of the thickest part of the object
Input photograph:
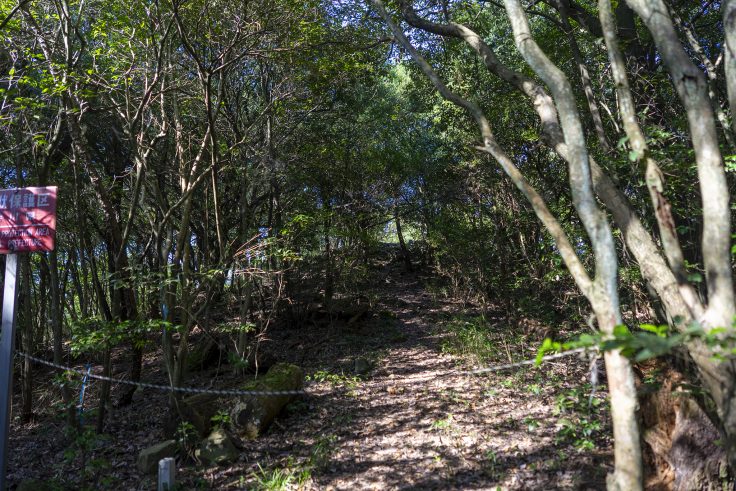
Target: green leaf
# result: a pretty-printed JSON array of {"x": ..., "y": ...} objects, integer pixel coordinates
[
  {"x": 660, "y": 331},
  {"x": 621, "y": 331},
  {"x": 695, "y": 277},
  {"x": 546, "y": 346}
]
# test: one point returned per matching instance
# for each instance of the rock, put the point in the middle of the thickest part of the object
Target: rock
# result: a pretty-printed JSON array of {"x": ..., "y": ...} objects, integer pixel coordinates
[
  {"x": 149, "y": 457},
  {"x": 251, "y": 416},
  {"x": 196, "y": 410},
  {"x": 217, "y": 448},
  {"x": 361, "y": 366}
]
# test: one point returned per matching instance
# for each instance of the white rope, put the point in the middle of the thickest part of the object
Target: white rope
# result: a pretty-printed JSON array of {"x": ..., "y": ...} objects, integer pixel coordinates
[{"x": 278, "y": 393}]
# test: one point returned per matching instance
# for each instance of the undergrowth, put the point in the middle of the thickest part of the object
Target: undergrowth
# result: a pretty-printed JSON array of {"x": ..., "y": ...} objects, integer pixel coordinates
[
  {"x": 475, "y": 339},
  {"x": 579, "y": 410},
  {"x": 293, "y": 474}
]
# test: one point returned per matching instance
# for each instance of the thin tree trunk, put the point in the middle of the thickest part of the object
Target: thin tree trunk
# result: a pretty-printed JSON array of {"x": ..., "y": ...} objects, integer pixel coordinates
[
  {"x": 56, "y": 329},
  {"x": 729, "y": 62},
  {"x": 595, "y": 112},
  {"x": 404, "y": 250},
  {"x": 104, "y": 391},
  {"x": 329, "y": 269}
]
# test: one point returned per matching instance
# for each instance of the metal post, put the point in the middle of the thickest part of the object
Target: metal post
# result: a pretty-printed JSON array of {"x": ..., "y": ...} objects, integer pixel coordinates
[
  {"x": 7, "y": 339},
  {"x": 166, "y": 474}
]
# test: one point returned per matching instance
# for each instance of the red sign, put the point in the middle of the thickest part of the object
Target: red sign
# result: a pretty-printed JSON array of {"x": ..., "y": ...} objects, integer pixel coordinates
[{"x": 27, "y": 219}]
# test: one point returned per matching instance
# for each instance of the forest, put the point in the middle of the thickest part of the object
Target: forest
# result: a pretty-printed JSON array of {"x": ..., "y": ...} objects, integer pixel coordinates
[{"x": 373, "y": 244}]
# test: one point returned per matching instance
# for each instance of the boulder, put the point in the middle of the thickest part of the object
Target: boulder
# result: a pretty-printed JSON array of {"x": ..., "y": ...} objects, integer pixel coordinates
[
  {"x": 197, "y": 410},
  {"x": 149, "y": 457},
  {"x": 217, "y": 448},
  {"x": 251, "y": 416}
]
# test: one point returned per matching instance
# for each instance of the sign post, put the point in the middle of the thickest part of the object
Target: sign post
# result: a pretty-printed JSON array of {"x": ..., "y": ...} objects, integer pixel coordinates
[
  {"x": 27, "y": 224},
  {"x": 7, "y": 336}
]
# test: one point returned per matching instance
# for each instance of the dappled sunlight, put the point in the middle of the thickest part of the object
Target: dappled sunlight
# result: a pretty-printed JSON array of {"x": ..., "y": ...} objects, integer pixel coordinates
[{"x": 441, "y": 432}]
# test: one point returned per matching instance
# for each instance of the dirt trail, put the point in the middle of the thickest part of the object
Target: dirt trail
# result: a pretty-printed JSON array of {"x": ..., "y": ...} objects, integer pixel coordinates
[
  {"x": 378, "y": 432},
  {"x": 446, "y": 433}
]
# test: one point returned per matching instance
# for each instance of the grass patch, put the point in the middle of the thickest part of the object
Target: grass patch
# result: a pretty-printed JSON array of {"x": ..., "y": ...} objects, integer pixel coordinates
[
  {"x": 334, "y": 379},
  {"x": 293, "y": 475},
  {"x": 443, "y": 425},
  {"x": 280, "y": 479},
  {"x": 471, "y": 338},
  {"x": 342, "y": 381}
]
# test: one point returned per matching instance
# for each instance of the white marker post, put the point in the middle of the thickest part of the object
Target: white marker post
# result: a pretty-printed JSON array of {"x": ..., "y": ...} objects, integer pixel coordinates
[
  {"x": 27, "y": 224},
  {"x": 166, "y": 474},
  {"x": 7, "y": 338}
]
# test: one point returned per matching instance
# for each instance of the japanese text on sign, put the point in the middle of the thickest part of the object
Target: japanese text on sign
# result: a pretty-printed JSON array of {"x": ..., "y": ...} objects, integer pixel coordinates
[{"x": 27, "y": 219}]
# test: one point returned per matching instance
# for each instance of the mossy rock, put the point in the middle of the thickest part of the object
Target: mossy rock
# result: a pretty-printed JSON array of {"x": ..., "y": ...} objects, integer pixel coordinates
[{"x": 251, "y": 416}]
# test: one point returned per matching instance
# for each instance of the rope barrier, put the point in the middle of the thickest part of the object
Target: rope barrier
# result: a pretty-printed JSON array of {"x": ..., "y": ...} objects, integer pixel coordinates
[
  {"x": 528, "y": 362},
  {"x": 479, "y": 371},
  {"x": 167, "y": 388},
  {"x": 278, "y": 393}
]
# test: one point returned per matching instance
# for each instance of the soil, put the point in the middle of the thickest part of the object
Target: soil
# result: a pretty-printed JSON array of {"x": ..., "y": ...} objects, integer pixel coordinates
[{"x": 408, "y": 421}]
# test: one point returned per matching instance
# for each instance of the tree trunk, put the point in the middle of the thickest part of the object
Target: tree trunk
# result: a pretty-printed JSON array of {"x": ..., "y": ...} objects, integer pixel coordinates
[
  {"x": 692, "y": 90},
  {"x": 404, "y": 250},
  {"x": 104, "y": 392},
  {"x": 56, "y": 329},
  {"x": 729, "y": 28}
]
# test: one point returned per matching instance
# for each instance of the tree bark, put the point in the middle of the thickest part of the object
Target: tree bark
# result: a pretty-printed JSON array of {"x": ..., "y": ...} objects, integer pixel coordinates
[
  {"x": 692, "y": 90},
  {"x": 729, "y": 28},
  {"x": 404, "y": 250},
  {"x": 628, "y": 473}
]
